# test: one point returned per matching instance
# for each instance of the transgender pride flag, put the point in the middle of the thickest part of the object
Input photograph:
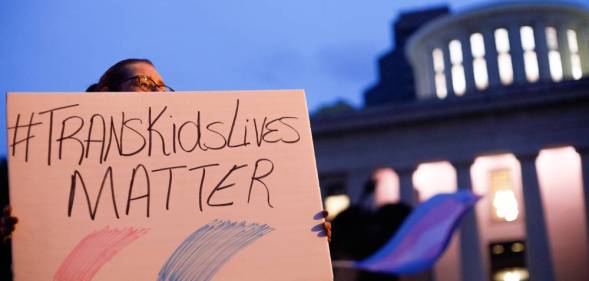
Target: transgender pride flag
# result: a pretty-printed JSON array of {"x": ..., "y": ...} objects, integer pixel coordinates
[{"x": 423, "y": 236}]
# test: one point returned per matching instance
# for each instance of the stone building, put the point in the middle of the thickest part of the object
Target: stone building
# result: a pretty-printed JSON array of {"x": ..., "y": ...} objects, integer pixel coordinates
[{"x": 499, "y": 105}]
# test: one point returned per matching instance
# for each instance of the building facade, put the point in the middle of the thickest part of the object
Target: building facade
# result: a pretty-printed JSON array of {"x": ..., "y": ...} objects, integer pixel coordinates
[{"x": 500, "y": 106}]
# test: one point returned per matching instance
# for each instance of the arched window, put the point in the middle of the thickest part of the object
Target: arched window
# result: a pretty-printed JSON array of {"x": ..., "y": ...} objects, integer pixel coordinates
[
  {"x": 458, "y": 80},
  {"x": 554, "y": 60},
  {"x": 576, "y": 69},
  {"x": 439, "y": 76},
  {"x": 503, "y": 56},
  {"x": 530, "y": 58},
  {"x": 479, "y": 64}
]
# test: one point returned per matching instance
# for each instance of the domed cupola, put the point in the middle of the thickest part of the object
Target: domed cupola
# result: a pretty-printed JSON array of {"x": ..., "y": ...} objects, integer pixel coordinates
[{"x": 500, "y": 45}]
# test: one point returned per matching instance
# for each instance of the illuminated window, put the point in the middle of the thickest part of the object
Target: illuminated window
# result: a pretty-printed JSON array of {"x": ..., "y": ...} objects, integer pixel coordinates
[
  {"x": 440, "y": 77},
  {"x": 335, "y": 204},
  {"x": 504, "y": 203},
  {"x": 498, "y": 249},
  {"x": 554, "y": 60},
  {"x": 458, "y": 80},
  {"x": 530, "y": 58},
  {"x": 517, "y": 247},
  {"x": 479, "y": 64},
  {"x": 575, "y": 59},
  {"x": 503, "y": 56}
]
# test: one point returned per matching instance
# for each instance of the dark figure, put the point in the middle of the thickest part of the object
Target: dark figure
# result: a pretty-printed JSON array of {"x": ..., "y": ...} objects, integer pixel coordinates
[
  {"x": 6, "y": 225},
  {"x": 359, "y": 232}
]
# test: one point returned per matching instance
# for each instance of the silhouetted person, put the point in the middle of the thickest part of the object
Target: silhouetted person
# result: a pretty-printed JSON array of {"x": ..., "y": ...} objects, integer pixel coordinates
[
  {"x": 359, "y": 232},
  {"x": 6, "y": 226}
]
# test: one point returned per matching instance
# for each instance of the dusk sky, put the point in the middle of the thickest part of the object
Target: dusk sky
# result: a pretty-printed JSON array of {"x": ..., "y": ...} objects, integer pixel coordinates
[{"x": 329, "y": 48}]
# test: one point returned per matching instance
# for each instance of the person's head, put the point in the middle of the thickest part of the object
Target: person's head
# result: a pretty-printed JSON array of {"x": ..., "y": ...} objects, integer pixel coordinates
[{"x": 130, "y": 75}]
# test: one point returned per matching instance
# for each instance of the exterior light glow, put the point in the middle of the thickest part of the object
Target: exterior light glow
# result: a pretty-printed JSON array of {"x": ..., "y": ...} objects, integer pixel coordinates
[
  {"x": 512, "y": 274},
  {"x": 498, "y": 249},
  {"x": 517, "y": 247},
  {"x": 505, "y": 205},
  {"x": 335, "y": 204}
]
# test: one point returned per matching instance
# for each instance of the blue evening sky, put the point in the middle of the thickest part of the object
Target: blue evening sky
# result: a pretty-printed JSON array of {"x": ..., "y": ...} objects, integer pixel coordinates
[{"x": 327, "y": 47}]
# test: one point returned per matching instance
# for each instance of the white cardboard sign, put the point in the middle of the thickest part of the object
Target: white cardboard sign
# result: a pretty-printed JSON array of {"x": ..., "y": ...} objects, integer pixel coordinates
[{"x": 183, "y": 186}]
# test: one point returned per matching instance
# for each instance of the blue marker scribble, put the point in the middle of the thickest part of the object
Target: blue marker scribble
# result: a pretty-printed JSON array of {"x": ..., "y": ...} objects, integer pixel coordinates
[{"x": 203, "y": 253}]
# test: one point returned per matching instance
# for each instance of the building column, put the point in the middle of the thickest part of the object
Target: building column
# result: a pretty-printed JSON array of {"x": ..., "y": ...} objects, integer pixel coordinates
[
  {"x": 426, "y": 84},
  {"x": 565, "y": 52},
  {"x": 409, "y": 195},
  {"x": 539, "y": 257},
  {"x": 517, "y": 55},
  {"x": 407, "y": 191},
  {"x": 467, "y": 61},
  {"x": 472, "y": 265},
  {"x": 542, "y": 52},
  {"x": 583, "y": 42},
  {"x": 584, "y": 153},
  {"x": 491, "y": 57}
]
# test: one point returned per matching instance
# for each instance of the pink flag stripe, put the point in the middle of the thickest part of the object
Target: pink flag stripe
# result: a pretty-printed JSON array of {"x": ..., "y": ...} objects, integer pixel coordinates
[{"x": 92, "y": 252}]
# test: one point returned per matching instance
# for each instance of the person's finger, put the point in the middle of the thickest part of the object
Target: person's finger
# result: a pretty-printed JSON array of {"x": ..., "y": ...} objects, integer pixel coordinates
[
  {"x": 320, "y": 215},
  {"x": 11, "y": 220},
  {"x": 7, "y": 210},
  {"x": 318, "y": 228},
  {"x": 327, "y": 228}
]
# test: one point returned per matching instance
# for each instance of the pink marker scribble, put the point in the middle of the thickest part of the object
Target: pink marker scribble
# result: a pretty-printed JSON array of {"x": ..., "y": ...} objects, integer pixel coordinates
[{"x": 96, "y": 249}]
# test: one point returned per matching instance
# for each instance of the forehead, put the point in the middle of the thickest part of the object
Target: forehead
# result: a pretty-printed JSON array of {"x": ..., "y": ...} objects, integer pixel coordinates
[{"x": 142, "y": 68}]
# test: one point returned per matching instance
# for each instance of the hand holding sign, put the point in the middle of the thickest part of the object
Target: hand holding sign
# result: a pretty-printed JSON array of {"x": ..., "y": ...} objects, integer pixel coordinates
[{"x": 7, "y": 223}]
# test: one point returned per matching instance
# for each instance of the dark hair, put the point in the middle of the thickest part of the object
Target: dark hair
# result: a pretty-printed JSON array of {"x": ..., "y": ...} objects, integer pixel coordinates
[
  {"x": 115, "y": 75},
  {"x": 92, "y": 88}
]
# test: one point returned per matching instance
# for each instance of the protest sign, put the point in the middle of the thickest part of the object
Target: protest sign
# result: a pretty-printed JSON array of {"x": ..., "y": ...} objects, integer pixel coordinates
[{"x": 159, "y": 186}]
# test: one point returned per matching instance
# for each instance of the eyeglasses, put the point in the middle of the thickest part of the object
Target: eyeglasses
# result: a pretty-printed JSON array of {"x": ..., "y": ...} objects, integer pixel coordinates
[{"x": 147, "y": 84}]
